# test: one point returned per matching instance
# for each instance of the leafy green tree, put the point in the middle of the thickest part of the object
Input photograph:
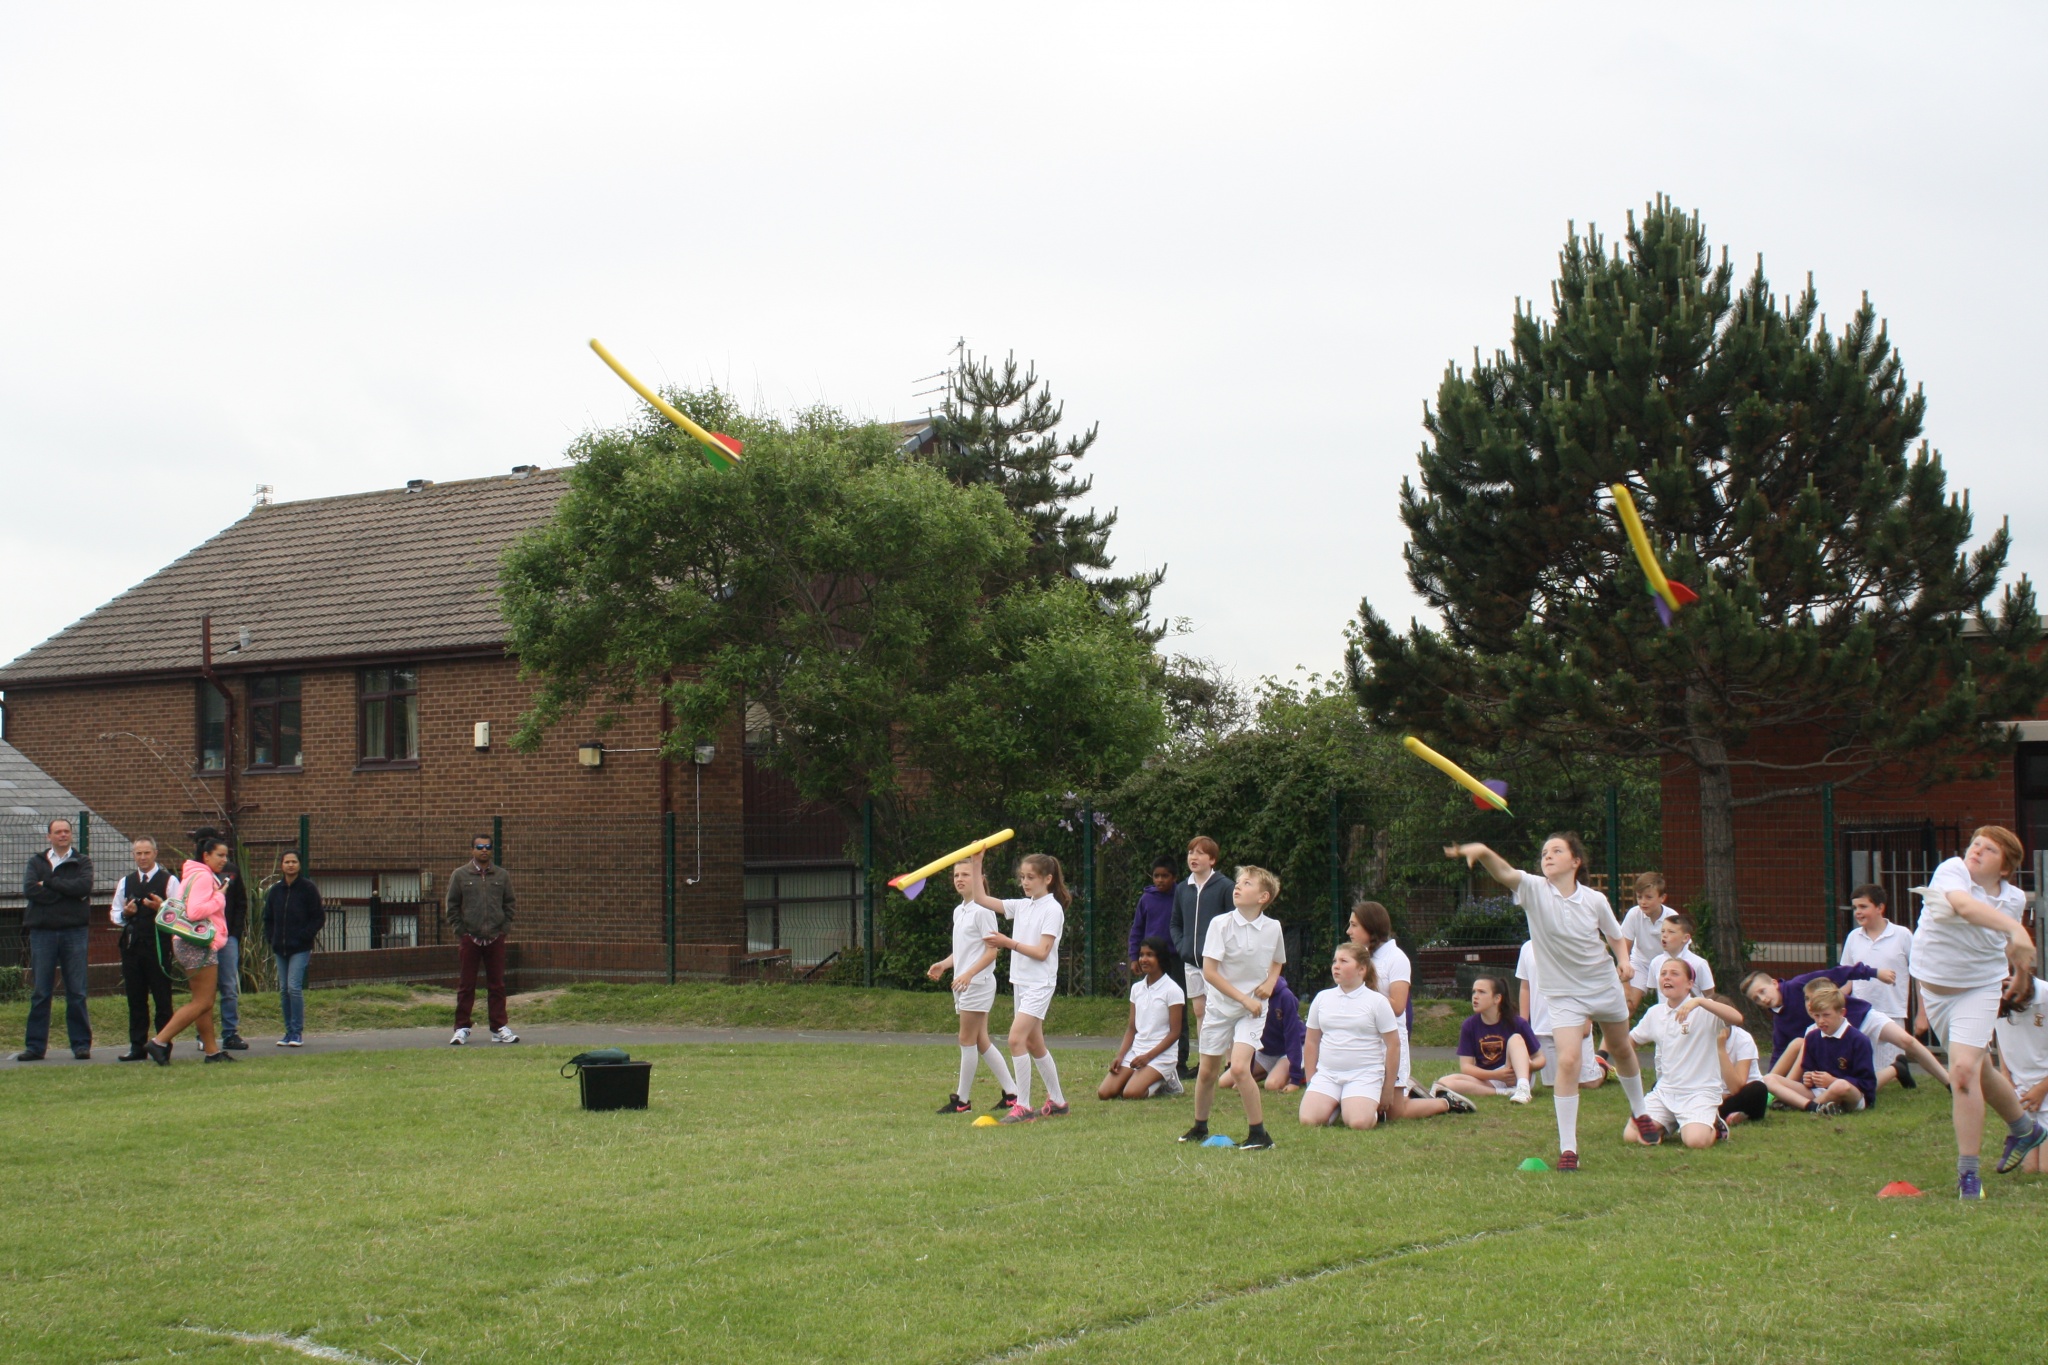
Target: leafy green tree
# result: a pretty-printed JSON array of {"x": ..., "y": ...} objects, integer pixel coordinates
[
  {"x": 999, "y": 428},
  {"x": 874, "y": 610},
  {"x": 1776, "y": 464}
]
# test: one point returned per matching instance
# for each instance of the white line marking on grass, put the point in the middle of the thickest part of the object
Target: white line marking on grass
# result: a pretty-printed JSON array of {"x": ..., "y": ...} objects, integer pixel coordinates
[
  {"x": 305, "y": 1346},
  {"x": 1125, "y": 1324}
]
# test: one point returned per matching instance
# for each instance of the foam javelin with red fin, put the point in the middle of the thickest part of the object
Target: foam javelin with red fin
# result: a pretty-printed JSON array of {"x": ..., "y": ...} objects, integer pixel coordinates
[{"x": 1670, "y": 595}]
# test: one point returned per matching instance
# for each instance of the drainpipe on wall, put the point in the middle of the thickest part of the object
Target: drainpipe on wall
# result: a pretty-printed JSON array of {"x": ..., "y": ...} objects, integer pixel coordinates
[{"x": 228, "y": 720}]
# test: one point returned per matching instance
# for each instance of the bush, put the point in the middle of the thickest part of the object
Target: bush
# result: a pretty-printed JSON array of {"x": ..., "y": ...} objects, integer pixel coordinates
[
  {"x": 1495, "y": 920},
  {"x": 13, "y": 983}
]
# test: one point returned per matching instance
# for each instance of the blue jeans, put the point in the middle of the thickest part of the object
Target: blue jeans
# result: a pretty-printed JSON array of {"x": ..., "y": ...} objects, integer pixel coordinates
[
  {"x": 230, "y": 987},
  {"x": 291, "y": 990},
  {"x": 49, "y": 951}
]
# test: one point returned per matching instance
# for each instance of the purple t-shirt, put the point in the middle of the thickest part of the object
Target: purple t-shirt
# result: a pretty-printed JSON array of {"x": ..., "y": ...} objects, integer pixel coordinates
[{"x": 1487, "y": 1044}]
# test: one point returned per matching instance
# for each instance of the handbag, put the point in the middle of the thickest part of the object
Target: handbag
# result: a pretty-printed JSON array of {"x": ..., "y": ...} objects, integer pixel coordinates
[{"x": 171, "y": 917}]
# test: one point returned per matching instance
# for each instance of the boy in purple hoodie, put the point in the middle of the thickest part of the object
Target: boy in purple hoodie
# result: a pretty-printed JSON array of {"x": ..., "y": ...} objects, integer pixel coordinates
[{"x": 1154, "y": 919}]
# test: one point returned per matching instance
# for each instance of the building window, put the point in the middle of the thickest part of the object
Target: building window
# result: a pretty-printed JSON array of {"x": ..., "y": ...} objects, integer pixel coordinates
[
  {"x": 212, "y": 743},
  {"x": 812, "y": 911},
  {"x": 387, "y": 718},
  {"x": 274, "y": 722}
]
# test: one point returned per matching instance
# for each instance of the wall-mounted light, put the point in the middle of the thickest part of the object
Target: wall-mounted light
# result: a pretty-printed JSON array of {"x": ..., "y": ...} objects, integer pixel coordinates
[
  {"x": 590, "y": 755},
  {"x": 705, "y": 753},
  {"x": 482, "y": 732}
]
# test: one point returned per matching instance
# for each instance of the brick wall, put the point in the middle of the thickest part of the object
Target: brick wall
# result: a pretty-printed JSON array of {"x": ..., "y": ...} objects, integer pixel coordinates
[{"x": 584, "y": 845}]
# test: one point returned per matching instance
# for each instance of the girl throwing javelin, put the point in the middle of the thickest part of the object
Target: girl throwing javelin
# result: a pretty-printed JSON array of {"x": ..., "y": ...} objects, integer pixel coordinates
[{"x": 1583, "y": 961}]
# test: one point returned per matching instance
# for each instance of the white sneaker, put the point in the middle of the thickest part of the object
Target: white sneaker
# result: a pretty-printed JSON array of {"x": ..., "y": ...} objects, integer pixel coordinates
[
  {"x": 504, "y": 1035},
  {"x": 1520, "y": 1096},
  {"x": 461, "y": 1037},
  {"x": 1169, "y": 1081}
]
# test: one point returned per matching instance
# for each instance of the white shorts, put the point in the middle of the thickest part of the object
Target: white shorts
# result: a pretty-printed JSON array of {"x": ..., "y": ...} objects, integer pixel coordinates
[
  {"x": 1641, "y": 980},
  {"x": 1368, "y": 1084},
  {"x": 1269, "y": 1062},
  {"x": 1883, "y": 1054},
  {"x": 1225, "y": 1025},
  {"x": 1962, "y": 1018},
  {"x": 1198, "y": 985},
  {"x": 1162, "y": 1064},
  {"x": 1589, "y": 1064},
  {"x": 1854, "y": 1103},
  {"x": 978, "y": 998},
  {"x": 1033, "y": 999},
  {"x": 1603, "y": 1005},
  {"x": 1673, "y": 1111}
]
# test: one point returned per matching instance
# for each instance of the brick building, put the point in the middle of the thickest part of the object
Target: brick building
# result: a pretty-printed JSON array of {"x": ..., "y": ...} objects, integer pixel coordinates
[{"x": 331, "y": 675}]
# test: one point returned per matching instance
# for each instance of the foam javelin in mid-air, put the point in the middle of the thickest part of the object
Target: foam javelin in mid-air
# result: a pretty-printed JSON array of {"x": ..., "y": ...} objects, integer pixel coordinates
[
  {"x": 1670, "y": 596},
  {"x": 722, "y": 450},
  {"x": 911, "y": 883},
  {"x": 1479, "y": 790}
]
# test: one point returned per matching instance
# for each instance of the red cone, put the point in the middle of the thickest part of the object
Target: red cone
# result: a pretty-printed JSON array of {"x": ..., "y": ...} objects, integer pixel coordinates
[{"x": 1899, "y": 1189}]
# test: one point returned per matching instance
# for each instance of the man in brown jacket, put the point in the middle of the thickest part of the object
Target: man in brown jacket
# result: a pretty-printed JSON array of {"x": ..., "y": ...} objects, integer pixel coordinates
[{"x": 480, "y": 912}]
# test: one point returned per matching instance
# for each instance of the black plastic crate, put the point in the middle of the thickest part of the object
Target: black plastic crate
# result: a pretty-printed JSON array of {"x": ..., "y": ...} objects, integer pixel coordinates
[{"x": 622, "y": 1085}]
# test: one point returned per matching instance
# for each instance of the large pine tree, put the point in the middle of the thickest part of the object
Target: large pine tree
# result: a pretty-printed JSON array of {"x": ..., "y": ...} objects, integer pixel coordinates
[
  {"x": 1780, "y": 469},
  {"x": 999, "y": 426}
]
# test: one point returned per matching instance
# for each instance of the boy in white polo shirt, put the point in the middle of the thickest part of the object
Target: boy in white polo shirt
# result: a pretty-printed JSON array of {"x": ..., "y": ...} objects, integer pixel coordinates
[
  {"x": 1879, "y": 944},
  {"x": 2022, "y": 1033},
  {"x": 1675, "y": 936},
  {"x": 1241, "y": 961}
]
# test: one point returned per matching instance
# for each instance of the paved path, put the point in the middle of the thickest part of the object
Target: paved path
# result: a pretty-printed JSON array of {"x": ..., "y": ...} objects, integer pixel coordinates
[{"x": 577, "y": 1036}]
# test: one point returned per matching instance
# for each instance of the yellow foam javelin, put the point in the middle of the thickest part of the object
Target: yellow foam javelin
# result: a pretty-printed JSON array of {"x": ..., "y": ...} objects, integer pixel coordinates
[
  {"x": 722, "y": 455},
  {"x": 1638, "y": 537},
  {"x": 1001, "y": 836},
  {"x": 1455, "y": 773}
]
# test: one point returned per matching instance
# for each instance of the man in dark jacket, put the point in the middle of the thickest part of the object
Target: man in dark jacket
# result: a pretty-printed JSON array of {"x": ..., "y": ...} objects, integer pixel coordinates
[
  {"x": 58, "y": 886},
  {"x": 292, "y": 920},
  {"x": 480, "y": 911},
  {"x": 236, "y": 893},
  {"x": 1196, "y": 902},
  {"x": 145, "y": 949}
]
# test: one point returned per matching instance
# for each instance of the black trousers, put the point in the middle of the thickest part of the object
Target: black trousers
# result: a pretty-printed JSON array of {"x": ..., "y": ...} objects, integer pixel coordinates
[
  {"x": 1751, "y": 1102},
  {"x": 146, "y": 981}
]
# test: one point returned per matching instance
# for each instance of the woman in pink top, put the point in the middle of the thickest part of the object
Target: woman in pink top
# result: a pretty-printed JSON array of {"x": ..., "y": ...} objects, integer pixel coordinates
[{"x": 205, "y": 902}]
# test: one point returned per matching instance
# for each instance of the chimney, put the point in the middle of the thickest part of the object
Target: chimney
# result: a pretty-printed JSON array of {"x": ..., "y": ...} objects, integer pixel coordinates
[{"x": 415, "y": 485}]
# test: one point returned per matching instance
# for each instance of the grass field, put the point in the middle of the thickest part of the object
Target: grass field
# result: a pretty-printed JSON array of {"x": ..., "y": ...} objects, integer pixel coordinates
[{"x": 802, "y": 1202}]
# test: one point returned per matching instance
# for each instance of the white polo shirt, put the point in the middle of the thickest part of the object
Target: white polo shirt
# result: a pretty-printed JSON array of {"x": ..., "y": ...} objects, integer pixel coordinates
[
  {"x": 1688, "y": 1050},
  {"x": 1893, "y": 948},
  {"x": 972, "y": 924},
  {"x": 1742, "y": 1048},
  {"x": 1150, "y": 1003},
  {"x": 1644, "y": 939},
  {"x": 2023, "y": 1039},
  {"x": 1539, "y": 1008},
  {"x": 1702, "y": 974},
  {"x": 1950, "y": 951},
  {"x": 1570, "y": 934},
  {"x": 1031, "y": 921},
  {"x": 1353, "y": 1025},
  {"x": 1243, "y": 951}
]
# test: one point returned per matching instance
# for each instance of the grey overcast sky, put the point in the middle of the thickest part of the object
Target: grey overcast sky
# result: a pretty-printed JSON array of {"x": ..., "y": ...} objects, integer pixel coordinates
[{"x": 334, "y": 247}]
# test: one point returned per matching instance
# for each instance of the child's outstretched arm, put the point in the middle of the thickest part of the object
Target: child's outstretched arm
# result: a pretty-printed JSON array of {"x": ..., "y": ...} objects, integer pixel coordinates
[{"x": 1496, "y": 866}]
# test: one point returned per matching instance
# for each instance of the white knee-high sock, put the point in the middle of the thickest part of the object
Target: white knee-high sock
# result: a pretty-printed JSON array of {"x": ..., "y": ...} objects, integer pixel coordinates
[
  {"x": 1050, "y": 1074},
  {"x": 1020, "y": 1063},
  {"x": 970, "y": 1058},
  {"x": 1568, "y": 1123},
  {"x": 1000, "y": 1069},
  {"x": 1632, "y": 1086}
]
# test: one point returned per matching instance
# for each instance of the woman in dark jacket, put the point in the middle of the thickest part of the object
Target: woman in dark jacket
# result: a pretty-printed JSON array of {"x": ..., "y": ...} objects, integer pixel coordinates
[{"x": 292, "y": 920}]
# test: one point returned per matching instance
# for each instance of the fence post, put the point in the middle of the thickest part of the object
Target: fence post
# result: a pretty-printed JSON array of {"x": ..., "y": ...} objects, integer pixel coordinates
[
  {"x": 1614, "y": 845},
  {"x": 498, "y": 840},
  {"x": 306, "y": 844},
  {"x": 1336, "y": 869},
  {"x": 668, "y": 888},
  {"x": 867, "y": 889},
  {"x": 1827, "y": 861},
  {"x": 84, "y": 839},
  {"x": 1088, "y": 897}
]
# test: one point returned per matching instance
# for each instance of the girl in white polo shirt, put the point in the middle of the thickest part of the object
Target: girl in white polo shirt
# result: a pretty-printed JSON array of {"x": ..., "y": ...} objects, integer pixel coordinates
[
  {"x": 973, "y": 964},
  {"x": 2022, "y": 1030},
  {"x": 1969, "y": 933},
  {"x": 1144, "y": 1065},
  {"x": 1582, "y": 960},
  {"x": 1686, "y": 1031},
  {"x": 1037, "y": 921},
  {"x": 1351, "y": 1032}
]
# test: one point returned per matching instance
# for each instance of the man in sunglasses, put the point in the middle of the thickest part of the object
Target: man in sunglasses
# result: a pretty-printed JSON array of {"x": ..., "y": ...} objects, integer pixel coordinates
[{"x": 480, "y": 912}]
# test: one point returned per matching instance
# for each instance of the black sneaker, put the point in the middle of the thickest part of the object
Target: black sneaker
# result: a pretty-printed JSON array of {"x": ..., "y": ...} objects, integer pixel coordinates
[
  {"x": 955, "y": 1105},
  {"x": 220, "y": 1056},
  {"x": 1004, "y": 1104},
  {"x": 1188, "y": 1073},
  {"x": 28, "y": 1056},
  {"x": 1196, "y": 1133},
  {"x": 133, "y": 1055},
  {"x": 160, "y": 1053},
  {"x": 83, "y": 1054},
  {"x": 1257, "y": 1140},
  {"x": 1904, "y": 1073},
  {"x": 233, "y": 1042}
]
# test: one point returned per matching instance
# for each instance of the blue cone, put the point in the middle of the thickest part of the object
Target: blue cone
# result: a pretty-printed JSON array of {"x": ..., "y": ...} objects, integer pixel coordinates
[{"x": 1217, "y": 1140}]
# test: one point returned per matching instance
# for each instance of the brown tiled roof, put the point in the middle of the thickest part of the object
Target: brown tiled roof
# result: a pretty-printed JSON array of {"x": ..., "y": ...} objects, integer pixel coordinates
[{"x": 386, "y": 573}]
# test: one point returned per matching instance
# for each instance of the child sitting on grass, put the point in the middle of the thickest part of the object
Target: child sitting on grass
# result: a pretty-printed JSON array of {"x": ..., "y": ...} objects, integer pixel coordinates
[
  {"x": 1837, "y": 1072},
  {"x": 1144, "y": 1063},
  {"x": 1744, "y": 1097},
  {"x": 1686, "y": 1031},
  {"x": 1497, "y": 1051},
  {"x": 2022, "y": 1032},
  {"x": 1351, "y": 1051}
]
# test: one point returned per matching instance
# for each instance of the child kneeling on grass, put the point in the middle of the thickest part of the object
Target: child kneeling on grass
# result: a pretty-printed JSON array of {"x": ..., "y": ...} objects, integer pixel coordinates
[
  {"x": 1352, "y": 1049},
  {"x": 1497, "y": 1051},
  {"x": 1686, "y": 1031},
  {"x": 2022, "y": 1032},
  {"x": 1837, "y": 1071},
  {"x": 1144, "y": 1063},
  {"x": 1241, "y": 961},
  {"x": 973, "y": 964}
]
